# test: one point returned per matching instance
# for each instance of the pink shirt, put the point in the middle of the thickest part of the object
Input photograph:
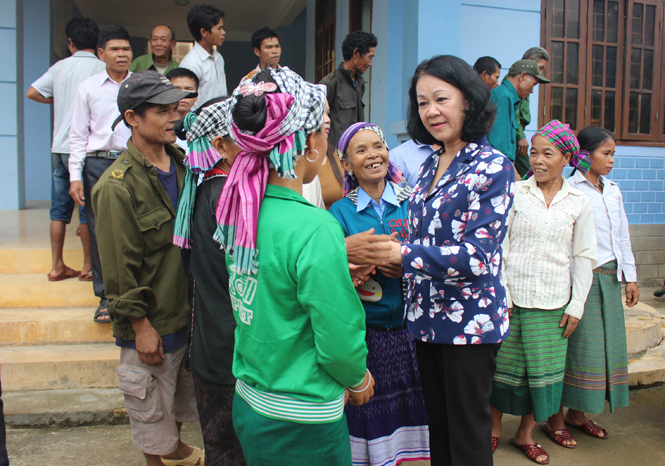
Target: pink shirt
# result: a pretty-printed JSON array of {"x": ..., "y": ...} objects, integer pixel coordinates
[{"x": 95, "y": 109}]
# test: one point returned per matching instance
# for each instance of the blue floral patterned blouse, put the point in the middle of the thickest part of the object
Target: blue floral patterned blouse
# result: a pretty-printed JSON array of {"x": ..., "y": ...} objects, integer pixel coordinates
[{"x": 452, "y": 260}]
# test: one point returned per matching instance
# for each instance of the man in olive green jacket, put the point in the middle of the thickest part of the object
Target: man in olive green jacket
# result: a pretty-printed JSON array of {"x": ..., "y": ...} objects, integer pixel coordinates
[{"x": 135, "y": 202}]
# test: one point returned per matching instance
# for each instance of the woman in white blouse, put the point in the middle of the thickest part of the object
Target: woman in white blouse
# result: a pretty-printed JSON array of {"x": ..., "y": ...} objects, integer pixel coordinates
[
  {"x": 597, "y": 362},
  {"x": 550, "y": 231}
]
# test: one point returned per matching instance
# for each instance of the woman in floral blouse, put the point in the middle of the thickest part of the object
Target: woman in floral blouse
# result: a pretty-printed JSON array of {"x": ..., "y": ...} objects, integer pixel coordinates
[{"x": 456, "y": 304}]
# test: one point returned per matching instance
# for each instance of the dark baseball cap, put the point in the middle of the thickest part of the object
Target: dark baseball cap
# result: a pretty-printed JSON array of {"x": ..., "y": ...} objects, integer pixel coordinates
[
  {"x": 148, "y": 86},
  {"x": 528, "y": 67}
]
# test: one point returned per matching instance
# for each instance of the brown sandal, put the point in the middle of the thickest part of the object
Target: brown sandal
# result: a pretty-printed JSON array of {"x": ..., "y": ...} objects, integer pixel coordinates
[
  {"x": 64, "y": 275},
  {"x": 532, "y": 451},
  {"x": 558, "y": 436},
  {"x": 592, "y": 429}
]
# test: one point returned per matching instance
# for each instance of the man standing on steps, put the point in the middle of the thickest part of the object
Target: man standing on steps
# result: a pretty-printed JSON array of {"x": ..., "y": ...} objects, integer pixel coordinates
[
  {"x": 58, "y": 87},
  {"x": 162, "y": 41},
  {"x": 93, "y": 144},
  {"x": 135, "y": 201},
  {"x": 206, "y": 23}
]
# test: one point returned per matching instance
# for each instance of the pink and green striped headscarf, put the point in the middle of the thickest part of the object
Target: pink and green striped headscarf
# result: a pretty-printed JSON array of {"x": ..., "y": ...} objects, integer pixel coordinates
[{"x": 565, "y": 140}]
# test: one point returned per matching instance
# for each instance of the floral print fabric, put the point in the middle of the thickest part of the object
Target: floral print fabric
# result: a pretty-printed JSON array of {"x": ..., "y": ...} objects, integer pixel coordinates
[{"x": 452, "y": 260}]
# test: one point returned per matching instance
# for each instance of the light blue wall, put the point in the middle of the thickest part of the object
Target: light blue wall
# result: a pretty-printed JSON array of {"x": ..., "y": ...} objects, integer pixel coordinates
[
  {"x": 38, "y": 132},
  {"x": 12, "y": 194}
]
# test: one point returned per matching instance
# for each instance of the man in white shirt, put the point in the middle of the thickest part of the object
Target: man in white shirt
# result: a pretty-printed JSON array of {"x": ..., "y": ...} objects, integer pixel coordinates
[
  {"x": 93, "y": 144},
  {"x": 206, "y": 23},
  {"x": 185, "y": 80},
  {"x": 266, "y": 46},
  {"x": 58, "y": 87}
]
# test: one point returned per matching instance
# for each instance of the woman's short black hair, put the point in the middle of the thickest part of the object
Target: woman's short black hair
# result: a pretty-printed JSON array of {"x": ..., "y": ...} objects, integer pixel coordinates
[
  {"x": 250, "y": 113},
  {"x": 592, "y": 137},
  {"x": 453, "y": 70},
  {"x": 203, "y": 17},
  {"x": 83, "y": 32}
]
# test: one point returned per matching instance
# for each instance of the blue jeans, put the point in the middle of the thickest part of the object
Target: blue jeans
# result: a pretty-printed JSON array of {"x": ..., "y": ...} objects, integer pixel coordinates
[{"x": 62, "y": 204}]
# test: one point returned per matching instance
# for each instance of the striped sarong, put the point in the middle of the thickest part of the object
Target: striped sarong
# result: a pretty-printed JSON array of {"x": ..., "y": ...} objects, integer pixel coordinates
[
  {"x": 530, "y": 364},
  {"x": 597, "y": 361}
]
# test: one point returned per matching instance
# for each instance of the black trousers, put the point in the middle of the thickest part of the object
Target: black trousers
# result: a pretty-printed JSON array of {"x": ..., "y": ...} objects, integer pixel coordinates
[
  {"x": 457, "y": 384},
  {"x": 93, "y": 168},
  {"x": 4, "y": 459}
]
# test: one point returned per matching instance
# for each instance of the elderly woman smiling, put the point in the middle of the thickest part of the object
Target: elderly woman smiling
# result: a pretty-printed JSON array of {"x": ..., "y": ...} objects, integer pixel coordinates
[
  {"x": 392, "y": 426},
  {"x": 456, "y": 303},
  {"x": 550, "y": 222}
]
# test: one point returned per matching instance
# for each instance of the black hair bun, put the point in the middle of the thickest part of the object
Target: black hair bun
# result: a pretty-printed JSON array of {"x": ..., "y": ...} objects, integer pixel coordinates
[{"x": 250, "y": 112}]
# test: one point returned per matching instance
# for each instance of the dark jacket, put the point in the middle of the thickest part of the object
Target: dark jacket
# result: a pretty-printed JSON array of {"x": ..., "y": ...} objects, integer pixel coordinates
[
  {"x": 143, "y": 271},
  {"x": 345, "y": 100}
]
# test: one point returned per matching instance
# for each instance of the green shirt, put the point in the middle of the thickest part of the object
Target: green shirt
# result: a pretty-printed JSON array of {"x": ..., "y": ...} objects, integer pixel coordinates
[
  {"x": 301, "y": 327},
  {"x": 503, "y": 136},
  {"x": 147, "y": 62},
  {"x": 523, "y": 116},
  {"x": 143, "y": 271}
]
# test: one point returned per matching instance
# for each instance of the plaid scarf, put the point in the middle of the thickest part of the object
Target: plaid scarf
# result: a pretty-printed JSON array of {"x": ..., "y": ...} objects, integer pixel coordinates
[
  {"x": 201, "y": 157},
  {"x": 350, "y": 181},
  {"x": 292, "y": 114},
  {"x": 564, "y": 139}
]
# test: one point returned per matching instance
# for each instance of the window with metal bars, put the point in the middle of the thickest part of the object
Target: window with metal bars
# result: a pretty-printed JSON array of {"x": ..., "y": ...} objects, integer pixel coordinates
[{"x": 606, "y": 66}]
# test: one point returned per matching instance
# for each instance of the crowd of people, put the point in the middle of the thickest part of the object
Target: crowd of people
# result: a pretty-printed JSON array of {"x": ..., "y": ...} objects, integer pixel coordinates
[{"x": 274, "y": 271}]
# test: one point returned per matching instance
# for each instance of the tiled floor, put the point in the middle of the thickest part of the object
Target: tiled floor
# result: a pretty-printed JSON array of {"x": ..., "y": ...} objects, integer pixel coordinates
[{"x": 29, "y": 228}]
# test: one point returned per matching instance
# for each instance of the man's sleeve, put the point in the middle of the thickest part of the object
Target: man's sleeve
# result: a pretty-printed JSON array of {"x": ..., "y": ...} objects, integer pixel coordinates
[
  {"x": 44, "y": 85},
  {"x": 500, "y": 136},
  {"x": 523, "y": 116},
  {"x": 120, "y": 250},
  {"x": 78, "y": 134}
]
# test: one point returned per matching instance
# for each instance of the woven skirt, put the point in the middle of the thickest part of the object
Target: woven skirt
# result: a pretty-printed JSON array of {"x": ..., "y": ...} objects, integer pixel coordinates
[
  {"x": 392, "y": 426},
  {"x": 530, "y": 364},
  {"x": 597, "y": 361}
]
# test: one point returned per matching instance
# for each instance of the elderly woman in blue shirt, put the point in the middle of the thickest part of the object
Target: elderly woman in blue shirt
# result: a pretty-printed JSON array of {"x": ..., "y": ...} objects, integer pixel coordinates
[
  {"x": 392, "y": 426},
  {"x": 456, "y": 304}
]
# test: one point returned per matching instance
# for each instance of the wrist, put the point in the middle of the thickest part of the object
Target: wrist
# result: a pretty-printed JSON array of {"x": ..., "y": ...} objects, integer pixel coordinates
[{"x": 362, "y": 386}]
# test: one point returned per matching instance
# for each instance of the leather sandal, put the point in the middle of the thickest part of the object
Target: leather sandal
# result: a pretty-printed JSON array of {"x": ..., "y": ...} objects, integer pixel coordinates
[
  {"x": 197, "y": 458},
  {"x": 558, "y": 436},
  {"x": 64, "y": 275},
  {"x": 592, "y": 429},
  {"x": 532, "y": 451},
  {"x": 495, "y": 443}
]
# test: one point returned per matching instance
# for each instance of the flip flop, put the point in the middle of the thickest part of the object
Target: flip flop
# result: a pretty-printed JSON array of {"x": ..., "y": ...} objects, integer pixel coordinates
[
  {"x": 64, "y": 275},
  {"x": 101, "y": 312},
  {"x": 592, "y": 429},
  {"x": 495, "y": 443},
  {"x": 191, "y": 460},
  {"x": 558, "y": 436},
  {"x": 85, "y": 277},
  {"x": 532, "y": 451}
]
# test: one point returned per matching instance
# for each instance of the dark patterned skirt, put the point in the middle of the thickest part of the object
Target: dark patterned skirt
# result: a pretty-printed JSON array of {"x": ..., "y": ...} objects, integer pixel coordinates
[
  {"x": 215, "y": 406},
  {"x": 392, "y": 426}
]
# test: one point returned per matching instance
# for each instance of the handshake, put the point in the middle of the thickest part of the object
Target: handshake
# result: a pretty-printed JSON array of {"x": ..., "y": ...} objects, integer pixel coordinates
[{"x": 362, "y": 392}]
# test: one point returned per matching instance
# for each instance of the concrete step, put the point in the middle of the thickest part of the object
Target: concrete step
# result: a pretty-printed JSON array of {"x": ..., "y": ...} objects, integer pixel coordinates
[
  {"x": 64, "y": 408},
  {"x": 29, "y": 290},
  {"x": 36, "y": 260},
  {"x": 644, "y": 328},
  {"x": 648, "y": 369},
  {"x": 51, "y": 326},
  {"x": 51, "y": 367}
]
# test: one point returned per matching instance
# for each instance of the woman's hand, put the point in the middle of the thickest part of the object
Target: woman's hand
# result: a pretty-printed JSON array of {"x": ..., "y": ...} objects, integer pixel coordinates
[
  {"x": 572, "y": 324},
  {"x": 632, "y": 294},
  {"x": 364, "y": 392},
  {"x": 510, "y": 312},
  {"x": 366, "y": 248},
  {"x": 392, "y": 270},
  {"x": 361, "y": 273}
]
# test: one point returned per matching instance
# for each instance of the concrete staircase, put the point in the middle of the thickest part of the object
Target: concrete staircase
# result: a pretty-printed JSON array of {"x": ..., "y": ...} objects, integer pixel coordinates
[{"x": 58, "y": 366}]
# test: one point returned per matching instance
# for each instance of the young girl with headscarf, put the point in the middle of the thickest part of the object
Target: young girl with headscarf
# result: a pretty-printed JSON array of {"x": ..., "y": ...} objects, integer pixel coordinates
[
  {"x": 392, "y": 426},
  {"x": 550, "y": 230},
  {"x": 300, "y": 338}
]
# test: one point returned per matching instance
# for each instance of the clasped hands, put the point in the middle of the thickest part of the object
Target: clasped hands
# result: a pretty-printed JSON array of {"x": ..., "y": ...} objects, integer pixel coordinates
[
  {"x": 367, "y": 252},
  {"x": 362, "y": 392}
]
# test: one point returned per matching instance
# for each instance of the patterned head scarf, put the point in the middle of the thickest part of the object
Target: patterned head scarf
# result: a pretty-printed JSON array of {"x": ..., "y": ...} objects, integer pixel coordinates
[
  {"x": 212, "y": 121},
  {"x": 564, "y": 139},
  {"x": 294, "y": 112},
  {"x": 350, "y": 181}
]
